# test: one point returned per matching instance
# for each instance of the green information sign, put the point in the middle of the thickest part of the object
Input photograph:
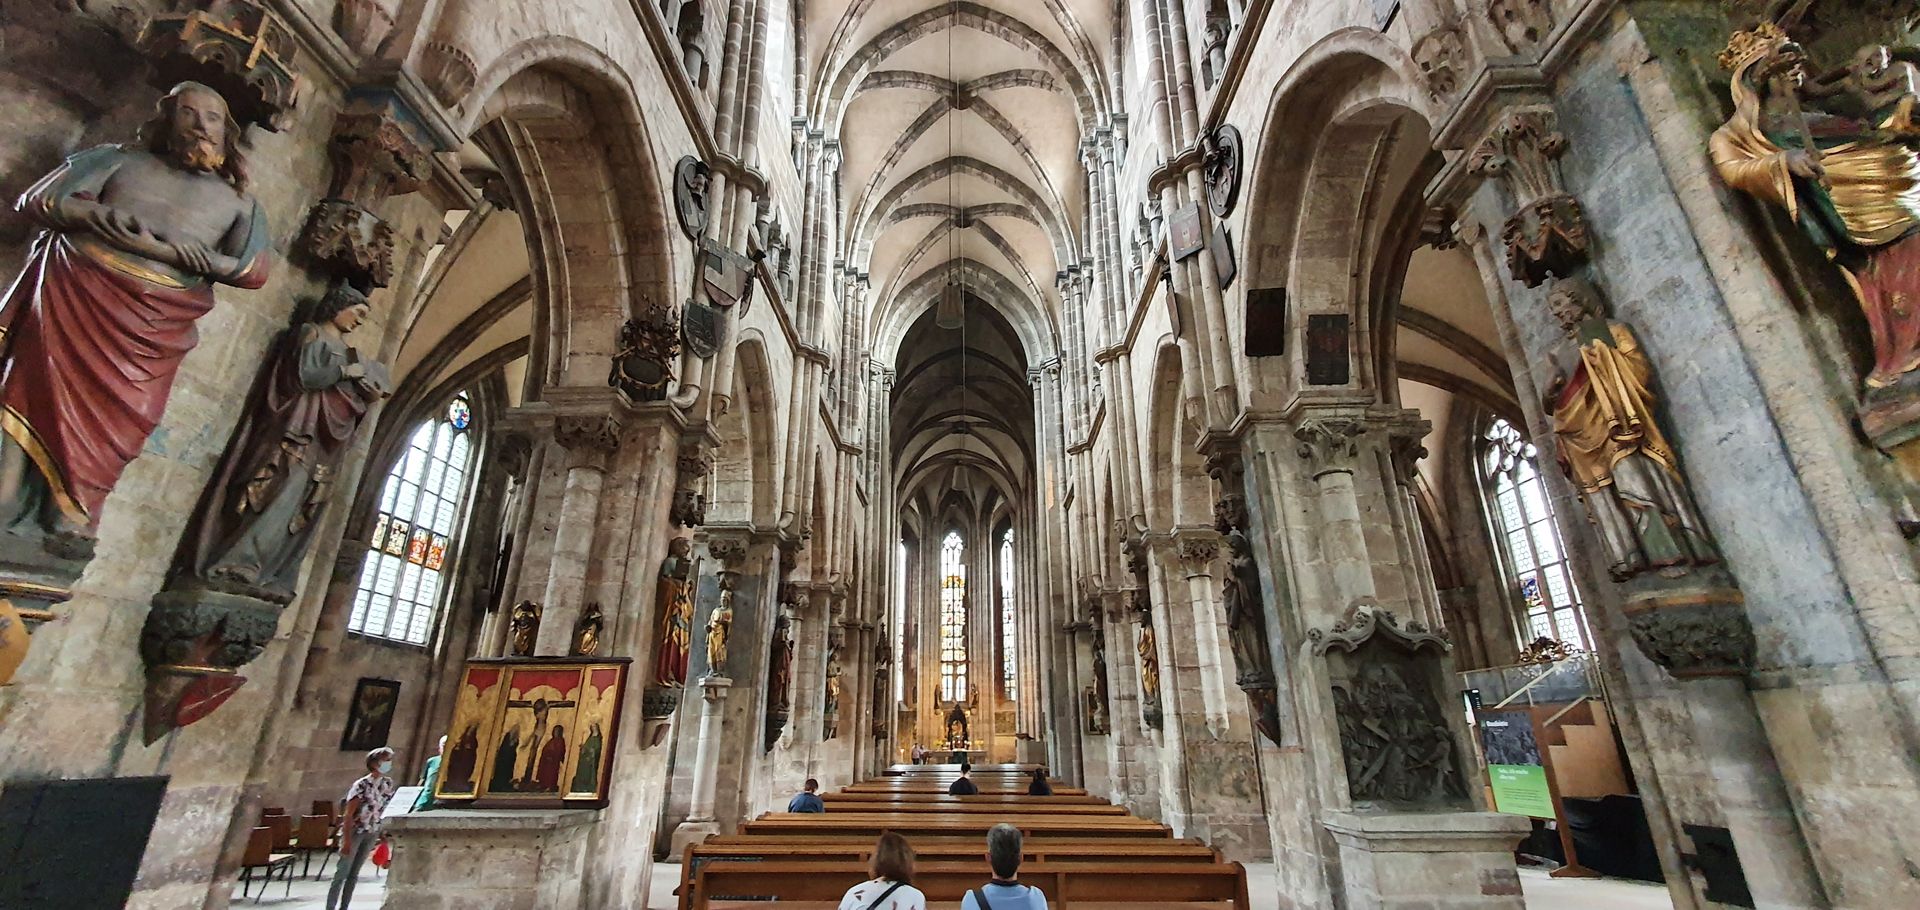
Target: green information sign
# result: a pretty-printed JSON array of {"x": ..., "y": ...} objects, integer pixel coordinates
[{"x": 1521, "y": 790}]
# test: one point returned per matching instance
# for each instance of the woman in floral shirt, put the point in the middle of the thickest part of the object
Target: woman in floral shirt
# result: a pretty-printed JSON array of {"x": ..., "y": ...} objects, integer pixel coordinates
[{"x": 360, "y": 824}]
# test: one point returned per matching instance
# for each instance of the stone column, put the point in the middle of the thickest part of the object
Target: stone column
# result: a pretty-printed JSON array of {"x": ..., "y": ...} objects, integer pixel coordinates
[
  {"x": 700, "y": 823},
  {"x": 590, "y": 441}
]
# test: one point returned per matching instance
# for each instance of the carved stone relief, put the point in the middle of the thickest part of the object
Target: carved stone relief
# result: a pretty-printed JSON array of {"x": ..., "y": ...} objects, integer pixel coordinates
[
  {"x": 1387, "y": 685},
  {"x": 691, "y": 178},
  {"x": 1222, "y": 163},
  {"x": 649, "y": 349}
]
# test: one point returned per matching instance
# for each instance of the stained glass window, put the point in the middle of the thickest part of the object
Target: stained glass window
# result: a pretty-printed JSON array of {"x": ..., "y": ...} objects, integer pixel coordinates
[
  {"x": 953, "y": 619},
  {"x": 1530, "y": 540},
  {"x": 405, "y": 571},
  {"x": 1009, "y": 635}
]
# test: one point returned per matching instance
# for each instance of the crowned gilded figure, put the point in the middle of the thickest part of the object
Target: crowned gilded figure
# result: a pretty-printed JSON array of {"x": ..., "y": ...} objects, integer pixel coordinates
[{"x": 1837, "y": 152}]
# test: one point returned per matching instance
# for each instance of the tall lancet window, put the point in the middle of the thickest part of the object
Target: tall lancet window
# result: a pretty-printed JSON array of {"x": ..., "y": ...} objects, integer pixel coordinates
[
  {"x": 1009, "y": 642},
  {"x": 406, "y": 569},
  {"x": 953, "y": 619},
  {"x": 1529, "y": 539}
]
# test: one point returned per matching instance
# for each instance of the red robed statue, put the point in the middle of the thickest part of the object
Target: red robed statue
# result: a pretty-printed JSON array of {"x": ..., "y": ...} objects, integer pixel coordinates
[{"x": 93, "y": 331}]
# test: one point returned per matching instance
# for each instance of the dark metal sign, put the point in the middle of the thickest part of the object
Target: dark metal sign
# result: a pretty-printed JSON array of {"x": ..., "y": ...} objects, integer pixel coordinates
[
  {"x": 1328, "y": 344},
  {"x": 700, "y": 328},
  {"x": 1224, "y": 267},
  {"x": 1183, "y": 231}
]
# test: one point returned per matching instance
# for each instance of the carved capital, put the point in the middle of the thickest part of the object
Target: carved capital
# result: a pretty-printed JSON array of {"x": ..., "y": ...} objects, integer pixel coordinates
[
  {"x": 1197, "y": 548},
  {"x": 1330, "y": 445},
  {"x": 379, "y": 149},
  {"x": 1404, "y": 444},
  {"x": 587, "y": 435},
  {"x": 448, "y": 73},
  {"x": 514, "y": 454},
  {"x": 730, "y": 549},
  {"x": 1524, "y": 25}
]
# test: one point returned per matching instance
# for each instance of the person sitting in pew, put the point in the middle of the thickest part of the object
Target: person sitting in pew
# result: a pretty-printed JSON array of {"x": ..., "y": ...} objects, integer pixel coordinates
[
  {"x": 808, "y": 800},
  {"x": 1039, "y": 787},
  {"x": 963, "y": 785},
  {"x": 891, "y": 887},
  {"x": 1005, "y": 891}
]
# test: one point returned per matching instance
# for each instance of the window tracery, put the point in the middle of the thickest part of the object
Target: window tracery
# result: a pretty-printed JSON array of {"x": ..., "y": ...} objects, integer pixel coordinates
[{"x": 404, "y": 575}]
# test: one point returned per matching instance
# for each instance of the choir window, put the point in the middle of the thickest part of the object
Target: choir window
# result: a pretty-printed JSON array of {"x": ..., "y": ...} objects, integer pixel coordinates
[
  {"x": 405, "y": 573},
  {"x": 953, "y": 619},
  {"x": 1529, "y": 539},
  {"x": 1009, "y": 640}
]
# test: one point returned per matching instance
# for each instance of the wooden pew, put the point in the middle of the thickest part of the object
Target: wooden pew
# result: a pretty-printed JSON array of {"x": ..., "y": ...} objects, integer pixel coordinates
[
  {"x": 726, "y": 885},
  {"x": 1012, "y": 805},
  {"x": 870, "y": 824},
  {"x": 759, "y": 848}
]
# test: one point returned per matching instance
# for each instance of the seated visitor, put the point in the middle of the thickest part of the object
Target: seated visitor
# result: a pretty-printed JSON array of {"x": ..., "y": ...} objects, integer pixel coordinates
[
  {"x": 1005, "y": 891},
  {"x": 808, "y": 800},
  {"x": 1039, "y": 787},
  {"x": 891, "y": 887},
  {"x": 964, "y": 785}
]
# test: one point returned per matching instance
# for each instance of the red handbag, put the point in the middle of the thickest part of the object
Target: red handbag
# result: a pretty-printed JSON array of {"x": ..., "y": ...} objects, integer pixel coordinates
[{"x": 382, "y": 854}]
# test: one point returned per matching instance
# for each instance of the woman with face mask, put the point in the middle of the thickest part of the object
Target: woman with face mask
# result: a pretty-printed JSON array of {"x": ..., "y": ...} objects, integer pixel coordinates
[{"x": 360, "y": 824}]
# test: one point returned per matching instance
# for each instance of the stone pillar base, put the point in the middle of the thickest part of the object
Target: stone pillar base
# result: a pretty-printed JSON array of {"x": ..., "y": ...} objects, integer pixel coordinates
[
  {"x": 489, "y": 858},
  {"x": 1429, "y": 860},
  {"x": 691, "y": 831}
]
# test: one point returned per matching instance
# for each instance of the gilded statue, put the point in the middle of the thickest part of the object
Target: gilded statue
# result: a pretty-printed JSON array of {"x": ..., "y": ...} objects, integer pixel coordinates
[
  {"x": 1841, "y": 156},
  {"x": 674, "y": 596},
  {"x": 261, "y": 509},
  {"x": 1610, "y": 443},
  {"x": 830, "y": 709},
  {"x": 587, "y": 632},
  {"x": 523, "y": 629},
  {"x": 92, "y": 333},
  {"x": 719, "y": 626},
  {"x": 1149, "y": 651}
]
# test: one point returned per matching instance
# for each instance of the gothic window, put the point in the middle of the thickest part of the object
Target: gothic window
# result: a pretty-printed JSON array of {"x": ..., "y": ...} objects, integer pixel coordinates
[
  {"x": 406, "y": 570},
  {"x": 1529, "y": 539},
  {"x": 953, "y": 619},
  {"x": 1009, "y": 642}
]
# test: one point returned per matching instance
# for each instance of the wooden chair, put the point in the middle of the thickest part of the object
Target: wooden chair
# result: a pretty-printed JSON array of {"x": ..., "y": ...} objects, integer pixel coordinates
[
  {"x": 260, "y": 856},
  {"x": 282, "y": 828},
  {"x": 323, "y": 807},
  {"x": 315, "y": 836}
]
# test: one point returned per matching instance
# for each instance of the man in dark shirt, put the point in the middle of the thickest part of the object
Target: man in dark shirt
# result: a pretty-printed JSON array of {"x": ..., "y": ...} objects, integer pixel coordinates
[
  {"x": 808, "y": 801},
  {"x": 964, "y": 786}
]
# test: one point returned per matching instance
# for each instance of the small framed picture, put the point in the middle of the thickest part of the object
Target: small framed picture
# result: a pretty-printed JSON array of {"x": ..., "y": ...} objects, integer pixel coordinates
[{"x": 370, "y": 715}]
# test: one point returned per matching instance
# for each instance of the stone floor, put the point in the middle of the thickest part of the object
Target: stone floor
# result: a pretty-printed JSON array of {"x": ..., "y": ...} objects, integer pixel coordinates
[{"x": 1543, "y": 892}]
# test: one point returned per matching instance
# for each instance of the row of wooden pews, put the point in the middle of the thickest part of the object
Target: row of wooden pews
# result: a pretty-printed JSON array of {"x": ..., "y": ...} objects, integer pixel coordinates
[{"x": 1082, "y": 851}]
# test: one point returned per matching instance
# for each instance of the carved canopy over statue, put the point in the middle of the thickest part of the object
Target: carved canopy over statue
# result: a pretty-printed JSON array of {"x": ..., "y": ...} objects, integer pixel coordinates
[
  {"x": 259, "y": 513},
  {"x": 93, "y": 331},
  {"x": 957, "y": 733},
  {"x": 1611, "y": 445},
  {"x": 1841, "y": 155}
]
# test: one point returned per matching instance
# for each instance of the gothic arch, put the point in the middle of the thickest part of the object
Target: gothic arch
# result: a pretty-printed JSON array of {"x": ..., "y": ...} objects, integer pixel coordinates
[
  {"x": 596, "y": 209},
  {"x": 745, "y": 472}
]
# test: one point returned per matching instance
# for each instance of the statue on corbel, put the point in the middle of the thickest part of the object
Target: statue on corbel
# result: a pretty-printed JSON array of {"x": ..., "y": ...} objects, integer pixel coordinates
[
  {"x": 1837, "y": 152},
  {"x": 1683, "y": 608},
  {"x": 237, "y": 565}
]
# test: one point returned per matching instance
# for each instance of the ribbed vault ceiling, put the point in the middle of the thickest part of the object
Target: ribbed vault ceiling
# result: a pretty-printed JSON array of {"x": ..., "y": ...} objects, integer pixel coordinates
[{"x": 960, "y": 126}]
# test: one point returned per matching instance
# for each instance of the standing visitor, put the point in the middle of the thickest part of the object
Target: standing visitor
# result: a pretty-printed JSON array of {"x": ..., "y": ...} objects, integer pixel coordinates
[
  {"x": 891, "y": 887},
  {"x": 429, "y": 779},
  {"x": 360, "y": 825}
]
